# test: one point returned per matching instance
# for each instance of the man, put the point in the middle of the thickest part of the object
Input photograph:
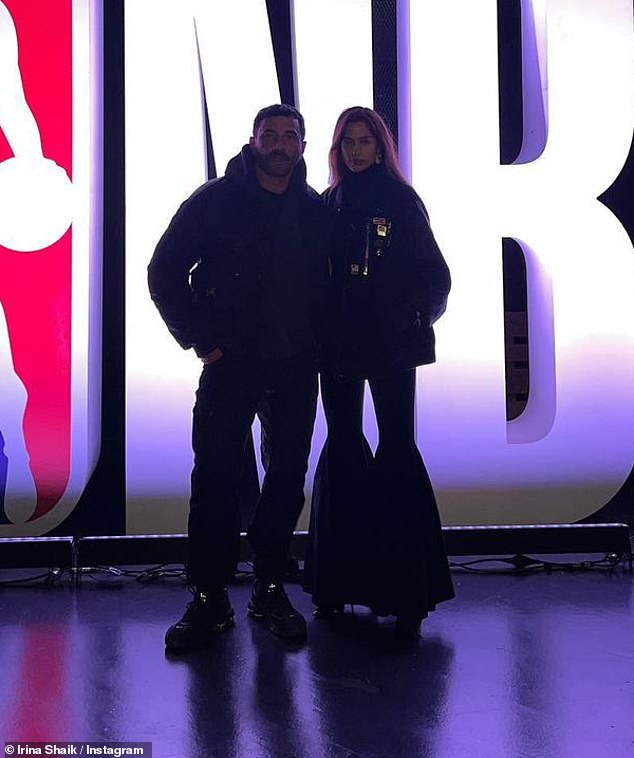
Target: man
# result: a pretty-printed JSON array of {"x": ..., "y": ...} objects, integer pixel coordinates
[{"x": 239, "y": 276}]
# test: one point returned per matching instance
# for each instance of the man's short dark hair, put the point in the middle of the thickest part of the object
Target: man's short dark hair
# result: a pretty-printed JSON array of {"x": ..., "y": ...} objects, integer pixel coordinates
[{"x": 288, "y": 111}]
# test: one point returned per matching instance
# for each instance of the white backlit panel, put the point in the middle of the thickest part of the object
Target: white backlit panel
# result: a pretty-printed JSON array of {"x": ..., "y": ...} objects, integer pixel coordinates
[{"x": 573, "y": 447}]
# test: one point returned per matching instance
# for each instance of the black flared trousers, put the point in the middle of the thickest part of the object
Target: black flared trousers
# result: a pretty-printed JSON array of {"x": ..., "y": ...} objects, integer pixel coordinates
[
  {"x": 230, "y": 393},
  {"x": 375, "y": 536}
]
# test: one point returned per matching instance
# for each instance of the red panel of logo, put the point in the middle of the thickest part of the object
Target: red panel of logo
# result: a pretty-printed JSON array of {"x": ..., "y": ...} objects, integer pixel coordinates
[{"x": 35, "y": 248}]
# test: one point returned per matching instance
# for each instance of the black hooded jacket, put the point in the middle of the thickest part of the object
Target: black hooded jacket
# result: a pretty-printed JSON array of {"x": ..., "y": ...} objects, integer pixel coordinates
[
  {"x": 245, "y": 270},
  {"x": 390, "y": 280}
]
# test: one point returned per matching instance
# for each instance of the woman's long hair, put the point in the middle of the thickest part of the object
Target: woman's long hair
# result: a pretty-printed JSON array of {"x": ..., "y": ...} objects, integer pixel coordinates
[{"x": 385, "y": 143}]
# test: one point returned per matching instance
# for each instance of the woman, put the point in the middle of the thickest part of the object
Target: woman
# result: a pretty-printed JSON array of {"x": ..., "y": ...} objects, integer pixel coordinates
[{"x": 375, "y": 537}]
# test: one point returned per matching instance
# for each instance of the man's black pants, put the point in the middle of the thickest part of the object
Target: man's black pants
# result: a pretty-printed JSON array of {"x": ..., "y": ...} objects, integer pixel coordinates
[{"x": 230, "y": 393}]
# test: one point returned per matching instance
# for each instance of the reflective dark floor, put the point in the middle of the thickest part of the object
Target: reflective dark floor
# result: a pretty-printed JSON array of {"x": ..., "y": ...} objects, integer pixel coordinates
[{"x": 540, "y": 666}]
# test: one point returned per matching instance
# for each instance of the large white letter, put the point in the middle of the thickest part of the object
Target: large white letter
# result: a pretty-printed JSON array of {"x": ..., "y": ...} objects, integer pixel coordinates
[
  {"x": 172, "y": 49},
  {"x": 573, "y": 447}
]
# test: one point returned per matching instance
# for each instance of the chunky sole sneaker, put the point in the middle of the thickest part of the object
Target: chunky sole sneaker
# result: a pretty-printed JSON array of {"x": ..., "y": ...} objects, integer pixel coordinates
[
  {"x": 205, "y": 617},
  {"x": 270, "y": 606}
]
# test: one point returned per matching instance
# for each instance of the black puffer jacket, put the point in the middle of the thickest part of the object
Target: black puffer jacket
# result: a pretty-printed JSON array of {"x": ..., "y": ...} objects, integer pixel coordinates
[
  {"x": 209, "y": 270},
  {"x": 390, "y": 279}
]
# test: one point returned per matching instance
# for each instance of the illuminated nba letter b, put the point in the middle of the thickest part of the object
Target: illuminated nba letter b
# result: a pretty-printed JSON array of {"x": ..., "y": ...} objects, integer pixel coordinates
[{"x": 573, "y": 447}]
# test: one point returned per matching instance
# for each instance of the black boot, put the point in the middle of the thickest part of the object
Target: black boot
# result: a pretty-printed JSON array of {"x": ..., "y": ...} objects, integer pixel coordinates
[
  {"x": 209, "y": 613},
  {"x": 407, "y": 626},
  {"x": 270, "y": 605}
]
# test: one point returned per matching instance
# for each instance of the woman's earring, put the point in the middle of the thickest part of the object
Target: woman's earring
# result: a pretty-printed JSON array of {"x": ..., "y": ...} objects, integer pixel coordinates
[{"x": 378, "y": 159}]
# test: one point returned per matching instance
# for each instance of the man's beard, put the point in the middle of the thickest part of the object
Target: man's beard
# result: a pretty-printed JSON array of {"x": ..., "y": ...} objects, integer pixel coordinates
[{"x": 275, "y": 163}]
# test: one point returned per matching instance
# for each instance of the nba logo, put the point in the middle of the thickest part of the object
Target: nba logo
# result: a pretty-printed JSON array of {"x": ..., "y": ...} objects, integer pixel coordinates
[{"x": 50, "y": 253}]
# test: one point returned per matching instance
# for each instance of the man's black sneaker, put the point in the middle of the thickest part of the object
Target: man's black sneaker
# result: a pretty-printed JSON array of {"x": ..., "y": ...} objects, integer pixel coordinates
[
  {"x": 270, "y": 605},
  {"x": 328, "y": 610},
  {"x": 206, "y": 615}
]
